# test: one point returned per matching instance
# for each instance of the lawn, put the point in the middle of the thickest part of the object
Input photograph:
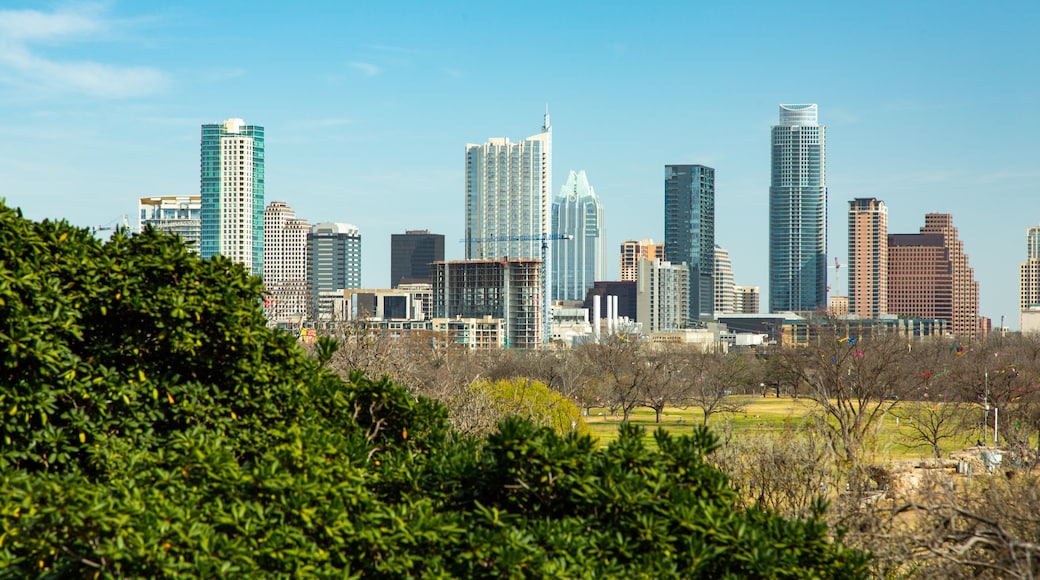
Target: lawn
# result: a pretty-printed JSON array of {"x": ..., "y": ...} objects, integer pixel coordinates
[{"x": 767, "y": 414}]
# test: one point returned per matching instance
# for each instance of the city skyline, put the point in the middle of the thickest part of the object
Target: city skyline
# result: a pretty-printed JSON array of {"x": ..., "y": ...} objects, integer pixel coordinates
[{"x": 103, "y": 103}]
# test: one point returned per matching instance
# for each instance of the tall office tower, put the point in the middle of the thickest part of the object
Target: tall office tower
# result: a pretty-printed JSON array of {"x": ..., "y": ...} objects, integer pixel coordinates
[
  {"x": 581, "y": 261},
  {"x": 632, "y": 251},
  {"x": 798, "y": 212},
  {"x": 747, "y": 299},
  {"x": 233, "y": 193},
  {"x": 334, "y": 261},
  {"x": 920, "y": 276},
  {"x": 285, "y": 265},
  {"x": 180, "y": 215},
  {"x": 689, "y": 232},
  {"x": 1029, "y": 283},
  {"x": 662, "y": 296},
  {"x": 966, "y": 321},
  {"x": 412, "y": 255},
  {"x": 508, "y": 197},
  {"x": 507, "y": 289},
  {"x": 868, "y": 257},
  {"x": 725, "y": 289}
]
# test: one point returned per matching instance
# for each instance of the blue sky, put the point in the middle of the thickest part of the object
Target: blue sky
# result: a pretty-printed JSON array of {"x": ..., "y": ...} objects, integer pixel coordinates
[{"x": 930, "y": 106}]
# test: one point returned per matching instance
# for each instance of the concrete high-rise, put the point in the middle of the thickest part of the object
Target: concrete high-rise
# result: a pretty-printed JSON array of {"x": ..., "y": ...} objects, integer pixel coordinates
[
  {"x": 966, "y": 321},
  {"x": 1029, "y": 284},
  {"x": 725, "y": 288},
  {"x": 868, "y": 257},
  {"x": 582, "y": 260},
  {"x": 505, "y": 289},
  {"x": 285, "y": 265},
  {"x": 232, "y": 189},
  {"x": 798, "y": 212},
  {"x": 632, "y": 251},
  {"x": 662, "y": 296},
  {"x": 508, "y": 203},
  {"x": 180, "y": 215},
  {"x": 747, "y": 299},
  {"x": 412, "y": 255},
  {"x": 334, "y": 260},
  {"x": 689, "y": 232}
]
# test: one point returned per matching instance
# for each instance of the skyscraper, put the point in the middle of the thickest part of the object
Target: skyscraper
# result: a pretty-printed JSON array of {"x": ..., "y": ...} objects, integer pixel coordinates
[
  {"x": 1029, "y": 282},
  {"x": 285, "y": 265},
  {"x": 581, "y": 261},
  {"x": 334, "y": 260},
  {"x": 868, "y": 257},
  {"x": 725, "y": 288},
  {"x": 412, "y": 255},
  {"x": 632, "y": 251},
  {"x": 661, "y": 296},
  {"x": 966, "y": 319},
  {"x": 507, "y": 289},
  {"x": 508, "y": 197},
  {"x": 689, "y": 232},
  {"x": 232, "y": 189},
  {"x": 180, "y": 215},
  {"x": 798, "y": 212}
]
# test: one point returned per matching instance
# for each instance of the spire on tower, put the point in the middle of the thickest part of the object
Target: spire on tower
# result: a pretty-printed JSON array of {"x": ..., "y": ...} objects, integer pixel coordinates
[{"x": 545, "y": 123}]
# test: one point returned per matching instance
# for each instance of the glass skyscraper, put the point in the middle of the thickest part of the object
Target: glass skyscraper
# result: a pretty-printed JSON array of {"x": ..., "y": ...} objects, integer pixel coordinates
[
  {"x": 798, "y": 212},
  {"x": 689, "y": 232},
  {"x": 581, "y": 261},
  {"x": 232, "y": 188}
]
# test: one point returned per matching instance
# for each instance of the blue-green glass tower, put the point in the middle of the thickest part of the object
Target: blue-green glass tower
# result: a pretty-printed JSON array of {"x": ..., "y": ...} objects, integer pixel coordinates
[
  {"x": 689, "y": 232},
  {"x": 232, "y": 189},
  {"x": 798, "y": 212}
]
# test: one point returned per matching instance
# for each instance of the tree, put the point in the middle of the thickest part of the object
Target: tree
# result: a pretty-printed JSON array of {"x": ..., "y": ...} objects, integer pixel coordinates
[
  {"x": 155, "y": 427},
  {"x": 931, "y": 423},
  {"x": 712, "y": 380}
]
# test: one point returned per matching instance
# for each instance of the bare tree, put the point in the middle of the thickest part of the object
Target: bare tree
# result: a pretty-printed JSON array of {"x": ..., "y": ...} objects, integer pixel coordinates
[
  {"x": 712, "y": 379},
  {"x": 931, "y": 423}
]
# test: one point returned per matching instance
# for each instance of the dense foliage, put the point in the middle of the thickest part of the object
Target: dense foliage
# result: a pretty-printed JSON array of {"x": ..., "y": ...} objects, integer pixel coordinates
[{"x": 153, "y": 426}]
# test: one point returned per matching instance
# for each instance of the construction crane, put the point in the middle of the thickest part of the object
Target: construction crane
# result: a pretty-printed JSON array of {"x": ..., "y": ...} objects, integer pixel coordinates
[
  {"x": 544, "y": 238},
  {"x": 109, "y": 226},
  {"x": 837, "y": 277}
]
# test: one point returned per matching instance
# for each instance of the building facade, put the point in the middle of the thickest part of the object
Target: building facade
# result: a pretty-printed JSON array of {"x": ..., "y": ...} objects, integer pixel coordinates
[
  {"x": 1029, "y": 282},
  {"x": 966, "y": 322},
  {"x": 920, "y": 276},
  {"x": 508, "y": 203},
  {"x": 412, "y": 255},
  {"x": 232, "y": 191},
  {"x": 725, "y": 288},
  {"x": 798, "y": 212},
  {"x": 633, "y": 251},
  {"x": 334, "y": 261},
  {"x": 507, "y": 289},
  {"x": 582, "y": 260},
  {"x": 180, "y": 215},
  {"x": 747, "y": 300},
  {"x": 288, "y": 298},
  {"x": 662, "y": 296},
  {"x": 868, "y": 257},
  {"x": 689, "y": 232}
]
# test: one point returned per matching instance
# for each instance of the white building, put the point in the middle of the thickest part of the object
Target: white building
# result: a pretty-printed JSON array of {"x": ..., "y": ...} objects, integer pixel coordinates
[
  {"x": 662, "y": 296},
  {"x": 725, "y": 289},
  {"x": 285, "y": 265},
  {"x": 582, "y": 260},
  {"x": 508, "y": 198},
  {"x": 180, "y": 215}
]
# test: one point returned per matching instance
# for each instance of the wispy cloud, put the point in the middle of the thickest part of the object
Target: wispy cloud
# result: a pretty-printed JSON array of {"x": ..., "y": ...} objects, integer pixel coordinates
[
  {"x": 366, "y": 68},
  {"x": 24, "y": 65}
]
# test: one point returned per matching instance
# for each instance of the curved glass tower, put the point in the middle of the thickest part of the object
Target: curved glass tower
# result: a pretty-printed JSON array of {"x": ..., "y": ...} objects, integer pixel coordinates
[{"x": 798, "y": 212}]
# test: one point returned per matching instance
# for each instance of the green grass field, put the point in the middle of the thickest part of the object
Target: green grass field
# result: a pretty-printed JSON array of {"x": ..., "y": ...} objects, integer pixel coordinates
[{"x": 769, "y": 415}]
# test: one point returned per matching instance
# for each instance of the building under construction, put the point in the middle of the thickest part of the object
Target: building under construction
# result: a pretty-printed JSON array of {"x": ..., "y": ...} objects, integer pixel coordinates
[{"x": 506, "y": 289}]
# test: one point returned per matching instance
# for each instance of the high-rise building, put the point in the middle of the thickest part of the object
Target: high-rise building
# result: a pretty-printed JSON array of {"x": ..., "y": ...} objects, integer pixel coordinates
[
  {"x": 334, "y": 260},
  {"x": 1029, "y": 284},
  {"x": 929, "y": 277},
  {"x": 725, "y": 296},
  {"x": 180, "y": 215},
  {"x": 582, "y": 260},
  {"x": 747, "y": 299},
  {"x": 662, "y": 292},
  {"x": 412, "y": 255},
  {"x": 868, "y": 258},
  {"x": 232, "y": 189},
  {"x": 798, "y": 212},
  {"x": 689, "y": 232},
  {"x": 508, "y": 198},
  {"x": 507, "y": 289},
  {"x": 966, "y": 320},
  {"x": 632, "y": 251},
  {"x": 288, "y": 298}
]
